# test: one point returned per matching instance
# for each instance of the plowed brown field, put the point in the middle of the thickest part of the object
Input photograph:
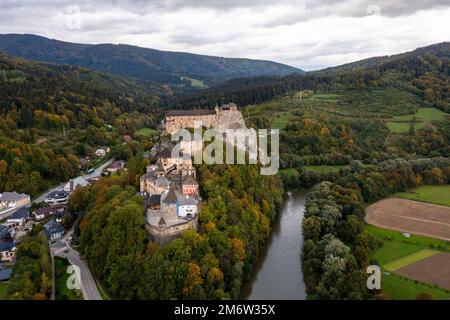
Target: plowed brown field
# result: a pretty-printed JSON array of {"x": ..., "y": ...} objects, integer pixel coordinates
[{"x": 411, "y": 216}]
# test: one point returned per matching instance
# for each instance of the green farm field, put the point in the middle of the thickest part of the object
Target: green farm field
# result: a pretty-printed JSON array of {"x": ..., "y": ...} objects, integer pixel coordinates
[
  {"x": 402, "y": 288},
  {"x": 409, "y": 259},
  {"x": 325, "y": 169},
  {"x": 147, "y": 132},
  {"x": 397, "y": 252},
  {"x": 401, "y": 124},
  {"x": 430, "y": 194}
]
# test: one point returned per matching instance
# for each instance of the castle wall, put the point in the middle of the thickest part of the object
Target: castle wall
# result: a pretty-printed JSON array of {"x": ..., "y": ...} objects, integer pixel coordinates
[
  {"x": 164, "y": 236},
  {"x": 174, "y": 123}
]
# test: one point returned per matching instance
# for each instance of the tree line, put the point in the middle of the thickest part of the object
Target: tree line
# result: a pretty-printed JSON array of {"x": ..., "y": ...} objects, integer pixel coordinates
[
  {"x": 211, "y": 263},
  {"x": 337, "y": 250}
]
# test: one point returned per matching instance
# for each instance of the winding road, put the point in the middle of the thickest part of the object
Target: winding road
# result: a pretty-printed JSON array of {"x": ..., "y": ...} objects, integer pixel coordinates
[
  {"x": 62, "y": 248},
  {"x": 97, "y": 173},
  {"x": 88, "y": 286}
]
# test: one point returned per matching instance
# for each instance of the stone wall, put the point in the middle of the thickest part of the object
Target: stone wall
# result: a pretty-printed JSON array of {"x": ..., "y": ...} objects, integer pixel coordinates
[{"x": 164, "y": 236}]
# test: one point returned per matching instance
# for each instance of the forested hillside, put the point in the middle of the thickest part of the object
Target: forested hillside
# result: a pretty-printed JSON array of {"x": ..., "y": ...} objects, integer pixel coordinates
[
  {"x": 51, "y": 115},
  {"x": 424, "y": 72},
  {"x": 176, "y": 70},
  {"x": 210, "y": 263}
]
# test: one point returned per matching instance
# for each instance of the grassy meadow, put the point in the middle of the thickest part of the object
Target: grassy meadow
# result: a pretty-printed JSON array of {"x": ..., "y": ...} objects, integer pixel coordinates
[
  {"x": 397, "y": 252},
  {"x": 430, "y": 194}
]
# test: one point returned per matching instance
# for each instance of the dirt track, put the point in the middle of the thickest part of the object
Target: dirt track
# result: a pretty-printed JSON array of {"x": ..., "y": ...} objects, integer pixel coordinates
[
  {"x": 411, "y": 216},
  {"x": 434, "y": 270}
]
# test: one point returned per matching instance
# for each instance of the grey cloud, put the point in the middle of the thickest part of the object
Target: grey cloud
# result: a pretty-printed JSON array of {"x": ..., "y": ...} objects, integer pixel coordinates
[{"x": 258, "y": 36}]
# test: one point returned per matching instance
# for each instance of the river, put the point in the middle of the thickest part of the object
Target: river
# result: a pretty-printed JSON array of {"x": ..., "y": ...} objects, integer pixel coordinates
[{"x": 278, "y": 271}]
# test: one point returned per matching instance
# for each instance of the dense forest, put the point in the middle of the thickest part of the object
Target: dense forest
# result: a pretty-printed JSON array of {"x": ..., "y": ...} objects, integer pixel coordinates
[
  {"x": 164, "y": 71},
  {"x": 424, "y": 71},
  {"x": 380, "y": 126},
  {"x": 53, "y": 115},
  {"x": 336, "y": 250},
  {"x": 235, "y": 220},
  {"x": 32, "y": 275}
]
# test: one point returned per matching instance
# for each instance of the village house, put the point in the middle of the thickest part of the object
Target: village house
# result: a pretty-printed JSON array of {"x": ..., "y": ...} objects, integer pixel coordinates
[
  {"x": 102, "y": 151},
  {"x": 42, "y": 213},
  {"x": 11, "y": 227},
  {"x": 7, "y": 251},
  {"x": 57, "y": 197},
  {"x": 53, "y": 230},
  {"x": 12, "y": 200},
  {"x": 19, "y": 217},
  {"x": 5, "y": 235},
  {"x": 84, "y": 163},
  {"x": 115, "y": 167},
  {"x": 73, "y": 184}
]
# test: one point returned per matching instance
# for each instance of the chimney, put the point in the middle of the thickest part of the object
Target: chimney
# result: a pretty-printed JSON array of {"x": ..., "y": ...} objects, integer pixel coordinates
[{"x": 71, "y": 186}]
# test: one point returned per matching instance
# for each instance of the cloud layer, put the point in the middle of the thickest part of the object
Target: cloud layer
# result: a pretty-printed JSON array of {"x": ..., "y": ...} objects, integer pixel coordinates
[{"x": 309, "y": 34}]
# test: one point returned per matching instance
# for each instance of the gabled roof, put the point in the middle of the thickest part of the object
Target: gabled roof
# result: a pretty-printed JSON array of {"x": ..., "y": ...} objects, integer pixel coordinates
[
  {"x": 189, "y": 180},
  {"x": 170, "y": 197},
  {"x": 78, "y": 181},
  {"x": 5, "y": 274},
  {"x": 155, "y": 199},
  {"x": 12, "y": 196},
  {"x": 49, "y": 210},
  {"x": 22, "y": 213},
  {"x": 55, "y": 228},
  {"x": 50, "y": 224},
  {"x": 120, "y": 164},
  {"x": 184, "y": 200},
  {"x": 162, "y": 182},
  {"x": 7, "y": 246},
  {"x": 4, "y": 231},
  {"x": 58, "y": 195}
]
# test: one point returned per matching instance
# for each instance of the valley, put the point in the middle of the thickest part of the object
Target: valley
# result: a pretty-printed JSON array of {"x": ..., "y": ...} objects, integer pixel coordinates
[{"x": 351, "y": 135}]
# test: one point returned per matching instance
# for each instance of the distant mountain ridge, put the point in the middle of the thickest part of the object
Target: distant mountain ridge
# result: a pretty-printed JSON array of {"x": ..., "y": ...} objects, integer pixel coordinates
[
  {"x": 177, "y": 69},
  {"x": 424, "y": 71},
  {"x": 440, "y": 50}
]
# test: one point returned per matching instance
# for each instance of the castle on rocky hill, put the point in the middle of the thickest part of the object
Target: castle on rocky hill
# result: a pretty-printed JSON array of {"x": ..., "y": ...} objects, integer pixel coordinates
[
  {"x": 222, "y": 118},
  {"x": 171, "y": 194}
]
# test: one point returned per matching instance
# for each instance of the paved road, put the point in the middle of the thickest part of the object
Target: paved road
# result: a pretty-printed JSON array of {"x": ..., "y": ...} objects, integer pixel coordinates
[
  {"x": 88, "y": 286},
  {"x": 97, "y": 173}
]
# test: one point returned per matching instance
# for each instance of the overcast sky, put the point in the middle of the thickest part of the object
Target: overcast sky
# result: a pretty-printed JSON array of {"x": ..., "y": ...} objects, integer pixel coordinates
[{"x": 309, "y": 34}]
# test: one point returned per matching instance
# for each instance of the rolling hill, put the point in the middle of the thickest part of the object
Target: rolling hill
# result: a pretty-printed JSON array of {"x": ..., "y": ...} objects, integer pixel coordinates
[
  {"x": 424, "y": 72},
  {"x": 177, "y": 69}
]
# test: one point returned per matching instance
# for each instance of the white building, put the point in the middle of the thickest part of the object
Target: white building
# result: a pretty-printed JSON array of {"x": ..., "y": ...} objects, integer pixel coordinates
[
  {"x": 19, "y": 217},
  {"x": 187, "y": 206},
  {"x": 57, "y": 197},
  {"x": 11, "y": 200},
  {"x": 73, "y": 184}
]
